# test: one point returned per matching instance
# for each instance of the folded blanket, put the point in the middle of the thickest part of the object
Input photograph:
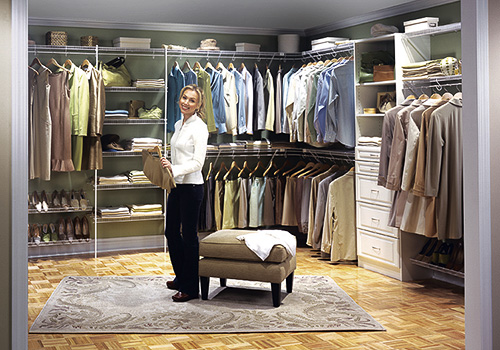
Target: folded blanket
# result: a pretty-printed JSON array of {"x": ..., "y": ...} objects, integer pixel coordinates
[{"x": 263, "y": 241}]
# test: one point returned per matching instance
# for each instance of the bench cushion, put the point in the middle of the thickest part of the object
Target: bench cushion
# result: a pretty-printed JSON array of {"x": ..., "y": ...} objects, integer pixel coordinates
[{"x": 223, "y": 244}]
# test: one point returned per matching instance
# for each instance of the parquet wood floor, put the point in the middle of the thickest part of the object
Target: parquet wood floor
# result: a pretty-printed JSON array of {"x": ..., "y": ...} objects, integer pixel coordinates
[{"x": 425, "y": 315}]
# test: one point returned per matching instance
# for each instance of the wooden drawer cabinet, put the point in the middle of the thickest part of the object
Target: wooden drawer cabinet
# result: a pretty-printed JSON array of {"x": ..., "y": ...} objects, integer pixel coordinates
[
  {"x": 381, "y": 248},
  {"x": 368, "y": 190},
  {"x": 374, "y": 218}
]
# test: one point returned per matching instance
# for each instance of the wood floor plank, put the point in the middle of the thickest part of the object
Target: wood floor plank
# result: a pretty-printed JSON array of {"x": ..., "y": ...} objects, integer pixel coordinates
[{"x": 417, "y": 315}]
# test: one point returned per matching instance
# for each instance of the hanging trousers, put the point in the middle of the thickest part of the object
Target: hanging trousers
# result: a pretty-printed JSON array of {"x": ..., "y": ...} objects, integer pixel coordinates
[{"x": 183, "y": 210}]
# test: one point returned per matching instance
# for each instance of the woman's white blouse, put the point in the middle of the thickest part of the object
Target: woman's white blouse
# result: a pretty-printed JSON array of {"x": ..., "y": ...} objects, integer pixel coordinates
[{"x": 188, "y": 150}]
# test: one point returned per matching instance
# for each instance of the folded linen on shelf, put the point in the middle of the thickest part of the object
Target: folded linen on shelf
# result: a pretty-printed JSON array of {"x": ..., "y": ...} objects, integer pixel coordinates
[
  {"x": 114, "y": 212},
  {"x": 370, "y": 141},
  {"x": 113, "y": 180},
  {"x": 137, "y": 177},
  {"x": 146, "y": 210},
  {"x": 149, "y": 83}
]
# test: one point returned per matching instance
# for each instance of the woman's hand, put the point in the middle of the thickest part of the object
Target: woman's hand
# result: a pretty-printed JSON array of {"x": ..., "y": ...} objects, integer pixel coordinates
[{"x": 165, "y": 163}]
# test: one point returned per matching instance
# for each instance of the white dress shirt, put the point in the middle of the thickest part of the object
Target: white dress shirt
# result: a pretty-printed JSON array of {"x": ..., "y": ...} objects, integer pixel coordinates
[{"x": 189, "y": 148}]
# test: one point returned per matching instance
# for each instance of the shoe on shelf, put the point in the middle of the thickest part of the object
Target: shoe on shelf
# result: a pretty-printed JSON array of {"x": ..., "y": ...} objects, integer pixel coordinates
[
  {"x": 75, "y": 200},
  {"x": 459, "y": 262},
  {"x": 36, "y": 233},
  {"x": 30, "y": 236},
  {"x": 36, "y": 202},
  {"x": 56, "y": 199},
  {"x": 445, "y": 253},
  {"x": 61, "y": 231},
  {"x": 424, "y": 249},
  {"x": 428, "y": 255},
  {"x": 53, "y": 232},
  {"x": 84, "y": 202},
  {"x": 77, "y": 224},
  {"x": 182, "y": 297},
  {"x": 45, "y": 233},
  {"x": 45, "y": 202},
  {"x": 85, "y": 228},
  {"x": 435, "y": 253},
  {"x": 70, "y": 230},
  {"x": 64, "y": 199},
  {"x": 30, "y": 202}
]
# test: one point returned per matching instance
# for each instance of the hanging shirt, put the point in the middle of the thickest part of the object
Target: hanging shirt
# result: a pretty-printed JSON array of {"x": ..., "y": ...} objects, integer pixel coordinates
[
  {"x": 279, "y": 102},
  {"x": 175, "y": 84},
  {"x": 259, "y": 108},
  {"x": 248, "y": 82},
  {"x": 204, "y": 83},
  {"x": 285, "y": 125},
  {"x": 217, "y": 87},
  {"x": 240, "y": 91},
  {"x": 190, "y": 77},
  {"x": 269, "y": 100},
  {"x": 78, "y": 100},
  {"x": 340, "y": 115},
  {"x": 322, "y": 102},
  {"x": 230, "y": 100}
]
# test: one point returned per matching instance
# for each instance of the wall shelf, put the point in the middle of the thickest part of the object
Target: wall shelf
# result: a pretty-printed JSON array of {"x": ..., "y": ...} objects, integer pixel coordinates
[{"x": 437, "y": 268}]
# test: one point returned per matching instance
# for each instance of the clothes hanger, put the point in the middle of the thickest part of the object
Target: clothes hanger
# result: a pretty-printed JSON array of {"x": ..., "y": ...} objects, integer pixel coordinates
[
  {"x": 197, "y": 65},
  {"x": 307, "y": 167},
  {"x": 458, "y": 95},
  {"x": 257, "y": 167},
  {"x": 423, "y": 97},
  {"x": 156, "y": 149},
  {"x": 208, "y": 65},
  {"x": 37, "y": 61},
  {"x": 186, "y": 66},
  {"x": 410, "y": 97},
  {"x": 68, "y": 62},
  {"x": 210, "y": 168},
  {"x": 34, "y": 70},
  {"x": 243, "y": 168},
  {"x": 222, "y": 167},
  {"x": 230, "y": 66},
  {"x": 435, "y": 96},
  {"x": 447, "y": 96},
  {"x": 55, "y": 63},
  {"x": 219, "y": 65},
  {"x": 85, "y": 63},
  {"x": 242, "y": 66},
  {"x": 322, "y": 169},
  {"x": 233, "y": 166},
  {"x": 269, "y": 167},
  {"x": 314, "y": 168},
  {"x": 176, "y": 64},
  {"x": 298, "y": 165},
  {"x": 285, "y": 164}
]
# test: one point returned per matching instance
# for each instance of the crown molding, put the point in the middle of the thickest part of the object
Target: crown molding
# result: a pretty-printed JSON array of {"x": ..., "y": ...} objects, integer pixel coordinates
[
  {"x": 165, "y": 27},
  {"x": 408, "y": 7}
]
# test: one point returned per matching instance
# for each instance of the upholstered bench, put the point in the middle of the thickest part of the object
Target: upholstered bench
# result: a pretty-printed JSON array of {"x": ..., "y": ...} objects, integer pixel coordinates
[{"x": 224, "y": 256}]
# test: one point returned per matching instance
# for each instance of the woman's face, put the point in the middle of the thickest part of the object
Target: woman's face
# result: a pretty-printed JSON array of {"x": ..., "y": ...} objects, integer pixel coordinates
[{"x": 189, "y": 102}]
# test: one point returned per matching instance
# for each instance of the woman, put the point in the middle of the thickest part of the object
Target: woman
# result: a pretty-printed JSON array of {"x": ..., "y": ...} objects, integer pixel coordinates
[{"x": 188, "y": 149}]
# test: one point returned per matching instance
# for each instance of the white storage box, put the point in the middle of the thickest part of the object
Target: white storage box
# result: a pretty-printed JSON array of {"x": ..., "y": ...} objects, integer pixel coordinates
[
  {"x": 325, "y": 43},
  {"x": 136, "y": 43},
  {"x": 288, "y": 43},
  {"x": 421, "y": 24},
  {"x": 247, "y": 47}
]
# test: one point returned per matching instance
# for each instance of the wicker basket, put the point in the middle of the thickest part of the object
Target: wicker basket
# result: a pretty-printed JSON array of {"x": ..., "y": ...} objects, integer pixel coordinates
[
  {"x": 56, "y": 38},
  {"x": 89, "y": 40}
]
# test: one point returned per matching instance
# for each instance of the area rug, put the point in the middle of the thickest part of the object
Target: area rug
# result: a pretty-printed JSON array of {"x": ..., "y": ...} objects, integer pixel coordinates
[{"x": 143, "y": 304}]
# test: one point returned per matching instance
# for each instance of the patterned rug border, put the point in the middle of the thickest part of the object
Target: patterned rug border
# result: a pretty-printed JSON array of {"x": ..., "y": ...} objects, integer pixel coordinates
[{"x": 255, "y": 302}]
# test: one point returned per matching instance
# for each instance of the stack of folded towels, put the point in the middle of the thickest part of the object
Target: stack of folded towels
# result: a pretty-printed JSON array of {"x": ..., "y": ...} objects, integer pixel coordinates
[
  {"x": 149, "y": 83},
  {"x": 114, "y": 212},
  {"x": 137, "y": 177},
  {"x": 116, "y": 114},
  {"x": 140, "y": 143},
  {"x": 146, "y": 210}
]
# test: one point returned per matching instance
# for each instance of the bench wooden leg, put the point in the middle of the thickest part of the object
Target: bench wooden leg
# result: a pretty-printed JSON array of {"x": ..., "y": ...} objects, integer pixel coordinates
[
  {"x": 289, "y": 283},
  {"x": 223, "y": 282},
  {"x": 204, "y": 281},
  {"x": 276, "y": 292}
]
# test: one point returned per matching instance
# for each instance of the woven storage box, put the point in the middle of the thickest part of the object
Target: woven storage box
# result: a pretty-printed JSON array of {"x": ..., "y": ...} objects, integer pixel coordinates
[
  {"x": 56, "y": 38},
  {"x": 89, "y": 40}
]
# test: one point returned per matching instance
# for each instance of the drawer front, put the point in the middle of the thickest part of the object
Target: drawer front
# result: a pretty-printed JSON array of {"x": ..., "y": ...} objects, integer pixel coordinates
[
  {"x": 368, "y": 153},
  {"x": 368, "y": 190},
  {"x": 381, "y": 248},
  {"x": 374, "y": 218},
  {"x": 367, "y": 168}
]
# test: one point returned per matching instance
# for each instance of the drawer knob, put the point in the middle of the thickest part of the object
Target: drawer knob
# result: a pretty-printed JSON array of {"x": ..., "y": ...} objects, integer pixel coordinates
[
  {"x": 376, "y": 249},
  {"x": 377, "y": 220}
]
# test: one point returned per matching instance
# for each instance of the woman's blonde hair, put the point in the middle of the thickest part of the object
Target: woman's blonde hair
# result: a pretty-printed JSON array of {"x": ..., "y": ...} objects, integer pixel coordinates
[{"x": 201, "y": 98}]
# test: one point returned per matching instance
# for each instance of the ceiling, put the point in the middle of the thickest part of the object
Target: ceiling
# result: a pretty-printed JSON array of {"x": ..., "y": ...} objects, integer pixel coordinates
[{"x": 278, "y": 15}]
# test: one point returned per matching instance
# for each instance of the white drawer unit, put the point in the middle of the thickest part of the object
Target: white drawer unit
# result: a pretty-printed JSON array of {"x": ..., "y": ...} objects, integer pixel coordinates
[
  {"x": 367, "y": 189},
  {"x": 380, "y": 248},
  {"x": 374, "y": 218},
  {"x": 367, "y": 168},
  {"x": 368, "y": 153}
]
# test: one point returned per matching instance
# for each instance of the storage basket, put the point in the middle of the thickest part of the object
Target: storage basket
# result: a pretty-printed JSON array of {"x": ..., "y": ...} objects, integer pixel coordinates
[
  {"x": 89, "y": 40},
  {"x": 57, "y": 38},
  {"x": 383, "y": 72}
]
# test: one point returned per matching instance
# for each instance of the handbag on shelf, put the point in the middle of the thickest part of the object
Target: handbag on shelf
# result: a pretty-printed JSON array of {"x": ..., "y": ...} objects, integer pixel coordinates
[
  {"x": 369, "y": 60},
  {"x": 114, "y": 73},
  {"x": 133, "y": 108},
  {"x": 383, "y": 72}
]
